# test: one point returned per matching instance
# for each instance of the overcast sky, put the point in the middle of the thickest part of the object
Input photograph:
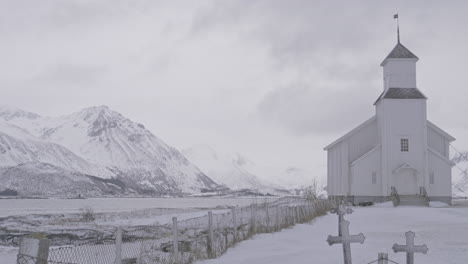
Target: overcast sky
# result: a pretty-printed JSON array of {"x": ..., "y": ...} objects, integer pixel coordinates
[{"x": 274, "y": 80}]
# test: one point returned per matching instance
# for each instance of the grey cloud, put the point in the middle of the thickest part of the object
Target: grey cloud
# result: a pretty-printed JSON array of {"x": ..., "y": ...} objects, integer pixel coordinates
[
  {"x": 305, "y": 110},
  {"x": 70, "y": 74},
  {"x": 195, "y": 70}
]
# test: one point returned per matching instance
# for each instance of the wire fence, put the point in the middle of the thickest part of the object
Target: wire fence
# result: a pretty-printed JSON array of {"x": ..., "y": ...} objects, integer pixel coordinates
[{"x": 188, "y": 240}]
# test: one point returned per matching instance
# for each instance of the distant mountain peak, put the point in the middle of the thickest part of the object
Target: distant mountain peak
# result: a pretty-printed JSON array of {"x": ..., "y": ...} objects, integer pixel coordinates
[
  {"x": 8, "y": 113},
  {"x": 91, "y": 113}
]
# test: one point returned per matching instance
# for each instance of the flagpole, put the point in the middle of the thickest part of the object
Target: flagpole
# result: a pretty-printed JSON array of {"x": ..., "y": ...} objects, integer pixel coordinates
[{"x": 398, "y": 28}]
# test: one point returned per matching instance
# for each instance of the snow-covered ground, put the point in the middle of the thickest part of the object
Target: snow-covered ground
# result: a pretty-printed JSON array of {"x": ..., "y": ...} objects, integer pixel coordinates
[{"x": 443, "y": 230}]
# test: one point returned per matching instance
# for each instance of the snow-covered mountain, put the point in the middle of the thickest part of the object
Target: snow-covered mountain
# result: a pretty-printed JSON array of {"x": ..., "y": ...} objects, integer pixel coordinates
[
  {"x": 233, "y": 171},
  {"x": 35, "y": 178},
  {"x": 99, "y": 142},
  {"x": 17, "y": 146}
]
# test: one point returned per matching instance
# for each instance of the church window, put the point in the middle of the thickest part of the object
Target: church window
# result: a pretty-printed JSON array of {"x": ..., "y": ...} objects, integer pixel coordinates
[
  {"x": 374, "y": 177},
  {"x": 404, "y": 145},
  {"x": 431, "y": 178}
]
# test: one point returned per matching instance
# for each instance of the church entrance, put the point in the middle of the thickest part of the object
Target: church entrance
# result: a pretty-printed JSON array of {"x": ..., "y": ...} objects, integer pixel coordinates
[{"x": 406, "y": 182}]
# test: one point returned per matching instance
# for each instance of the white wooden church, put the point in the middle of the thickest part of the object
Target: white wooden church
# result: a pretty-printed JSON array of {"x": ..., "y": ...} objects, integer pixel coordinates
[{"x": 397, "y": 147}]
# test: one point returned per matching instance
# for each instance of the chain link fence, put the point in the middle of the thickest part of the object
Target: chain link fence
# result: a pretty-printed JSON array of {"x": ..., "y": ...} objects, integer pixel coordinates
[{"x": 189, "y": 240}]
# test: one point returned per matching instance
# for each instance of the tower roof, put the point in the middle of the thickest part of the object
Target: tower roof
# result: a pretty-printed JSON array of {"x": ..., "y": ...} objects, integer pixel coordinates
[
  {"x": 401, "y": 93},
  {"x": 400, "y": 52}
]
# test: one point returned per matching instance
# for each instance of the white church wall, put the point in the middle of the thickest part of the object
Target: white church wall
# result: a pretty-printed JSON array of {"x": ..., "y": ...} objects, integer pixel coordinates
[
  {"x": 400, "y": 73},
  {"x": 402, "y": 118},
  {"x": 437, "y": 142},
  {"x": 338, "y": 169},
  {"x": 362, "y": 141},
  {"x": 366, "y": 175},
  {"x": 440, "y": 171}
]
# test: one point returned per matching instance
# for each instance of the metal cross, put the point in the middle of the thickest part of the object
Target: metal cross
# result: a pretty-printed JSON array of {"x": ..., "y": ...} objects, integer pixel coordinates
[
  {"x": 346, "y": 240},
  {"x": 410, "y": 248},
  {"x": 341, "y": 211}
]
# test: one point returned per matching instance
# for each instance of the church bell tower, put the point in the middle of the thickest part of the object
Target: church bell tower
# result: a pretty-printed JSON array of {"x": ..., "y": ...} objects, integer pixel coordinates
[{"x": 401, "y": 118}]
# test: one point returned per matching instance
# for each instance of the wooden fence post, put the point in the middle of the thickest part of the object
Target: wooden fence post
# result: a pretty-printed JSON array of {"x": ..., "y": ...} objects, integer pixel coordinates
[
  {"x": 278, "y": 224},
  {"x": 118, "y": 245},
  {"x": 33, "y": 250},
  {"x": 175, "y": 239},
  {"x": 267, "y": 218},
  {"x": 234, "y": 223},
  {"x": 253, "y": 219},
  {"x": 211, "y": 242}
]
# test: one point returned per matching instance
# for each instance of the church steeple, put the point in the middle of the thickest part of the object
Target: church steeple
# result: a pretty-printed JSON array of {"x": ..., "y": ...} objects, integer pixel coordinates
[{"x": 399, "y": 68}]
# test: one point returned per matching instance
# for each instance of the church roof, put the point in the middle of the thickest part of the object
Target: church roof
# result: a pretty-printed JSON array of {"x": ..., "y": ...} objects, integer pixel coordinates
[
  {"x": 404, "y": 93},
  {"x": 401, "y": 93},
  {"x": 400, "y": 52},
  {"x": 352, "y": 132},
  {"x": 440, "y": 131}
]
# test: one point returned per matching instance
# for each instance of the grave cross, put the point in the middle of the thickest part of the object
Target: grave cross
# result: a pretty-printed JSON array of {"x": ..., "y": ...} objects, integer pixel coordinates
[
  {"x": 346, "y": 240},
  {"x": 410, "y": 248},
  {"x": 341, "y": 211}
]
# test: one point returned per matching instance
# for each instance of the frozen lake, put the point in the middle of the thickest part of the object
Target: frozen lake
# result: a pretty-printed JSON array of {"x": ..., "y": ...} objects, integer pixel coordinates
[{"x": 9, "y": 207}]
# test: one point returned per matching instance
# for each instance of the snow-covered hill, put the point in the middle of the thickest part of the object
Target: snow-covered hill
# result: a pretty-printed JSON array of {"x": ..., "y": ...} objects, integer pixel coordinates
[
  {"x": 102, "y": 143},
  {"x": 233, "y": 171}
]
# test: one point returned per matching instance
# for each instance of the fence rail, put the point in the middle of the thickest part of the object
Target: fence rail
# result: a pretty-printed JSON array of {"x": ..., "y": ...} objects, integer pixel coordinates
[{"x": 186, "y": 241}]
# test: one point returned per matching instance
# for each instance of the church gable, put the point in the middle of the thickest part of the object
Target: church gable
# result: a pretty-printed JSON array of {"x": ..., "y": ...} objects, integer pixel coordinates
[
  {"x": 353, "y": 132},
  {"x": 363, "y": 141}
]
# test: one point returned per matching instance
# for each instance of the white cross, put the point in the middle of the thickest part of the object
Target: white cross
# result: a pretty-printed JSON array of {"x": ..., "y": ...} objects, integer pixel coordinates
[
  {"x": 346, "y": 240},
  {"x": 341, "y": 211},
  {"x": 410, "y": 248}
]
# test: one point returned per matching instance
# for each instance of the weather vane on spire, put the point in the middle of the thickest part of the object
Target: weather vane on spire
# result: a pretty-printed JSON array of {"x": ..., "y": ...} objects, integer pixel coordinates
[{"x": 398, "y": 26}]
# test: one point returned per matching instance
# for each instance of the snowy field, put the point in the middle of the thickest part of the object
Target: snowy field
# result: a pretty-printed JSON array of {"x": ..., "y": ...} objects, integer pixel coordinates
[{"x": 443, "y": 230}]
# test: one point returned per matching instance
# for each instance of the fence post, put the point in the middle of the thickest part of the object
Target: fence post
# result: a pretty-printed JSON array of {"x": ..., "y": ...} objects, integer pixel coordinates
[
  {"x": 211, "y": 250},
  {"x": 267, "y": 218},
  {"x": 296, "y": 214},
  {"x": 234, "y": 223},
  {"x": 33, "y": 250},
  {"x": 253, "y": 219},
  {"x": 278, "y": 224},
  {"x": 291, "y": 215},
  {"x": 118, "y": 245},
  {"x": 175, "y": 240},
  {"x": 383, "y": 258}
]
